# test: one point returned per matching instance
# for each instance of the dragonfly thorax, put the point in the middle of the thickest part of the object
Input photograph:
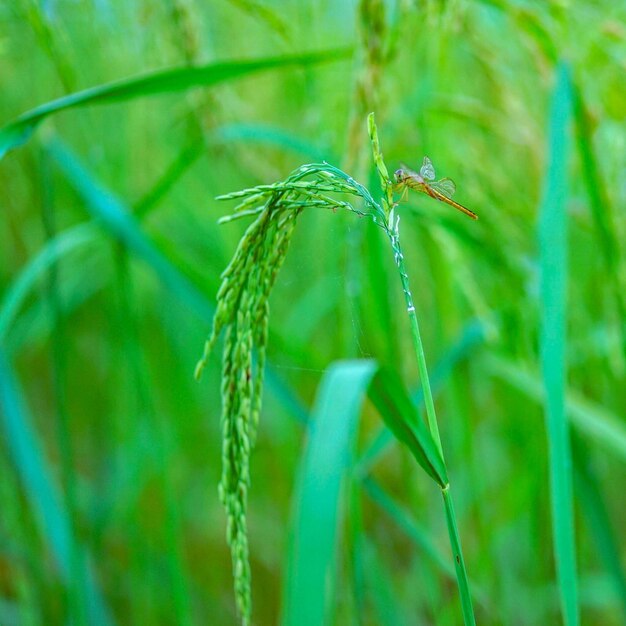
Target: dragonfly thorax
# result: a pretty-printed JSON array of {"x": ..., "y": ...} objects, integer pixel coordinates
[{"x": 403, "y": 175}]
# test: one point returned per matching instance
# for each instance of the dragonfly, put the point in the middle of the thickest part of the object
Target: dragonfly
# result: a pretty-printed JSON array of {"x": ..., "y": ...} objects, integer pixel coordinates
[{"x": 424, "y": 181}]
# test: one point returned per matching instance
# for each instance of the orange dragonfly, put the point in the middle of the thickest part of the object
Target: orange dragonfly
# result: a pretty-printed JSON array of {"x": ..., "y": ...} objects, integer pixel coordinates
[{"x": 425, "y": 182}]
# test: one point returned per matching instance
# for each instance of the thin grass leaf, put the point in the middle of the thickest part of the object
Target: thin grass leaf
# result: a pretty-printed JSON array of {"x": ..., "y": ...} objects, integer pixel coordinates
[
  {"x": 593, "y": 505},
  {"x": 596, "y": 422},
  {"x": 104, "y": 206},
  {"x": 36, "y": 477},
  {"x": 172, "y": 174},
  {"x": 458, "y": 559},
  {"x": 24, "y": 609},
  {"x": 58, "y": 368},
  {"x": 263, "y": 134},
  {"x": 590, "y": 419},
  {"x": 378, "y": 584},
  {"x": 165, "y": 81},
  {"x": 161, "y": 437},
  {"x": 418, "y": 535},
  {"x": 261, "y": 12},
  {"x": 552, "y": 231},
  {"x": 600, "y": 204},
  {"x": 63, "y": 244},
  {"x": 227, "y": 134},
  {"x": 310, "y": 570},
  {"x": 594, "y": 183}
]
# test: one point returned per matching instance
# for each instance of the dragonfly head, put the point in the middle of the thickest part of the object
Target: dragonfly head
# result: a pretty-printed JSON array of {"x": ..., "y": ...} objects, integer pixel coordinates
[{"x": 399, "y": 175}]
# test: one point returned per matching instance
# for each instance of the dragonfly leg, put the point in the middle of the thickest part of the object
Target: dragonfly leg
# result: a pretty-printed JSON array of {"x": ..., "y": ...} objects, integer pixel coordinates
[{"x": 405, "y": 194}]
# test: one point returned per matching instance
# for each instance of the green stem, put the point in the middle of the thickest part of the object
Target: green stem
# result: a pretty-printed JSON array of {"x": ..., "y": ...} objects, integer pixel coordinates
[
  {"x": 431, "y": 416},
  {"x": 453, "y": 532},
  {"x": 459, "y": 561}
]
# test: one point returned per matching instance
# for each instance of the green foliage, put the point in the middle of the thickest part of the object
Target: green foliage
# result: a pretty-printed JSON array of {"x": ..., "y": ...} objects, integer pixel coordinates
[{"x": 111, "y": 257}]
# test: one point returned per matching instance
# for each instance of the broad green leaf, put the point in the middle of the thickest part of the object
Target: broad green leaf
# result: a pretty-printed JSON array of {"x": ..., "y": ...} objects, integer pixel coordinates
[
  {"x": 165, "y": 81},
  {"x": 400, "y": 415},
  {"x": 310, "y": 571}
]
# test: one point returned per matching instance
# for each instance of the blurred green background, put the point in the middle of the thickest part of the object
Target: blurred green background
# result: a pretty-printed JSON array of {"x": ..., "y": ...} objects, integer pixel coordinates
[{"x": 110, "y": 257}]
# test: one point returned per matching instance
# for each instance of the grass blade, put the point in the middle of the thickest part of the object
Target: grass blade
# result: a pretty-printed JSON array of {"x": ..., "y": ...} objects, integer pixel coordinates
[
  {"x": 272, "y": 136},
  {"x": 589, "y": 419},
  {"x": 310, "y": 568},
  {"x": 224, "y": 135},
  {"x": 111, "y": 212},
  {"x": 599, "y": 203},
  {"x": 172, "y": 174},
  {"x": 553, "y": 262},
  {"x": 598, "y": 519},
  {"x": 459, "y": 561},
  {"x": 418, "y": 535},
  {"x": 594, "y": 184},
  {"x": 165, "y": 81},
  {"x": 76, "y": 600},
  {"x": 62, "y": 244},
  {"x": 41, "y": 491}
]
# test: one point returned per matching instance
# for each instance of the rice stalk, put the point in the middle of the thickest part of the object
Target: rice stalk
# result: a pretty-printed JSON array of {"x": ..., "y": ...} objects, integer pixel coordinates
[{"x": 243, "y": 314}]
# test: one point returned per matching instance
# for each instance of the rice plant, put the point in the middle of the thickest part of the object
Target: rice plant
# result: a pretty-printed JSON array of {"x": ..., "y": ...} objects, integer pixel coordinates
[{"x": 243, "y": 313}]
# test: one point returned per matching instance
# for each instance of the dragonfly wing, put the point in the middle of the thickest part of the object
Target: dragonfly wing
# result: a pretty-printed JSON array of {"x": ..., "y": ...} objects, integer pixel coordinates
[
  {"x": 445, "y": 186},
  {"x": 427, "y": 170}
]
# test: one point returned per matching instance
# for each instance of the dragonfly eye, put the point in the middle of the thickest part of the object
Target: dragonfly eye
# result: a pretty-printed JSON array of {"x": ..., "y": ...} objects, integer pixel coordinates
[{"x": 398, "y": 175}]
